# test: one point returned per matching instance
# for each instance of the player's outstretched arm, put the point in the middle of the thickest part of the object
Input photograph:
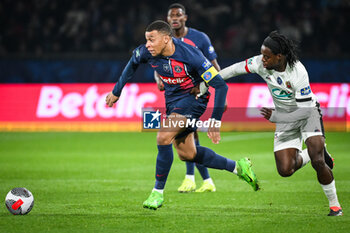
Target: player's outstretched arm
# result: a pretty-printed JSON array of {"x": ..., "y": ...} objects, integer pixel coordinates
[
  {"x": 127, "y": 74},
  {"x": 227, "y": 73},
  {"x": 283, "y": 117},
  {"x": 233, "y": 70},
  {"x": 219, "y": 106}
]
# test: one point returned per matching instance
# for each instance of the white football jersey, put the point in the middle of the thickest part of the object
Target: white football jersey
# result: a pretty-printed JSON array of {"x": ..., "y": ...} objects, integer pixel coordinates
[{"x": 289, "y": 89}]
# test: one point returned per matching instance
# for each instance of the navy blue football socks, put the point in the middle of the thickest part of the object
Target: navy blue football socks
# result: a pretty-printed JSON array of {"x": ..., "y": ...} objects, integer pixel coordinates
[
  {"x": 189, "y": 168},
  {"x": 164, "y": 160},
  {"x": 201, "y": 168},
  {"x": 203, "y": 171},
  {"x": 209, "y": 158}
]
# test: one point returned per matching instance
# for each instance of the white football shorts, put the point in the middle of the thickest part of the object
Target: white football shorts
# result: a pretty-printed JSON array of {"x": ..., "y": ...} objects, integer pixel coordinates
[{"x": 292, "y": 135}]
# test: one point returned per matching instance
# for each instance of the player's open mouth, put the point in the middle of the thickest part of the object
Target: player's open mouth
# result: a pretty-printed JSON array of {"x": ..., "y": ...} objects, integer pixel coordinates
[{"x": 175, "y": 24}]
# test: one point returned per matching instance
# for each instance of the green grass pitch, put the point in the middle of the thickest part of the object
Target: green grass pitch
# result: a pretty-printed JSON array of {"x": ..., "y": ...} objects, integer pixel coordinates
[{"x": 97, "y": 182}]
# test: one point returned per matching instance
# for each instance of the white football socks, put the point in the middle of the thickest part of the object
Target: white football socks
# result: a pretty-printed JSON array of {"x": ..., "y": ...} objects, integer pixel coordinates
[
  {"x": 209, "y": 180},
  {"x": 158, "y": 190},
  {"x": 191, "y": 177},
  {"x": 331, "y": 194},
  {"x": 305, "y": 156},
  {"x": 235, "y": 170}
]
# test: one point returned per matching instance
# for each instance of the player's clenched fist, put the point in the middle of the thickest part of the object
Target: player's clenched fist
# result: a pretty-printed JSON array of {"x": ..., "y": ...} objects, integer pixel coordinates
[{"x": 111, "y": 99}]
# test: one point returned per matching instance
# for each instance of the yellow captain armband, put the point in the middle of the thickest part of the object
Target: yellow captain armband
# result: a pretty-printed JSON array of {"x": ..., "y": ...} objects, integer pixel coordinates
[{"x": 209, "y": 74}]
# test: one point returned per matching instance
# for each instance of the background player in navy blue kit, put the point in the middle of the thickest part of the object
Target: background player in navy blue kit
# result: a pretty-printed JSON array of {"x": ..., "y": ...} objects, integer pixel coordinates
[
  {"x": 181, "y": 67},
  {"x": 177, "y": 18}
]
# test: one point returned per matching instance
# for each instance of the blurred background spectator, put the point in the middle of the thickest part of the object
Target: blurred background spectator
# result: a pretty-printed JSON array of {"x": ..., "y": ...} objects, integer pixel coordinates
[
  {"x": 59, "y": 30},
  {"x": 114, "y": 28}
]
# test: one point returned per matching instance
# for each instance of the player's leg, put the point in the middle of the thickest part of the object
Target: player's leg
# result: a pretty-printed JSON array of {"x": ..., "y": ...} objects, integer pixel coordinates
[
  {"x": 288, "y": 152},
  {"x": 313, "y": 134},
  {"x": 187, "y": 151},
  {"x": 189, "y": 184},
  {"x": 208, "y": 184},
  {"x": 165, "y": 138},
  {"x": 315, "y": 146},
  {"x": 289, "y": 160}
]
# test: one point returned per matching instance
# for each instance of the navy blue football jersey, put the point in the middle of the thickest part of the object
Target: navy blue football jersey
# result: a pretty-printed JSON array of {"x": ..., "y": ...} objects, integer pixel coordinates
[
  {"x": 181, "y": 71},
  {"x": 201, "y": 41}
]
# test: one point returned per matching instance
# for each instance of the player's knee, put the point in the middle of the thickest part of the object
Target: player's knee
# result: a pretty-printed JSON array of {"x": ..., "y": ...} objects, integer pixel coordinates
[
  {"x": 163, "y": 139},
  {"x": 315, "y": 145},
  {"x": 285, "y": 171},
  {"x": 316, "y": 154},
  {"x": 318, "y": 163},
  {"x": 186, "y": 155}
]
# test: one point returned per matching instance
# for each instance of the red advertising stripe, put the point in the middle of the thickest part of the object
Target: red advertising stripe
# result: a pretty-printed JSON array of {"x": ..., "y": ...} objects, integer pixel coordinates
[
  {"x": 75, "y": 102},
  {"x": 81, "y": 107}
]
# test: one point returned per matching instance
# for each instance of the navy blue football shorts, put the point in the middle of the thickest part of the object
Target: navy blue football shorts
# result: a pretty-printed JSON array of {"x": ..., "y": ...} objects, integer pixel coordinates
[{"x": 191, "y": 108}]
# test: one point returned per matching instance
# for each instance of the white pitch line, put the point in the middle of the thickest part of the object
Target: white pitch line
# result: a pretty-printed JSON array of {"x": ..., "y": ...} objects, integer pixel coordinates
[{"x": 243, "y": 137}]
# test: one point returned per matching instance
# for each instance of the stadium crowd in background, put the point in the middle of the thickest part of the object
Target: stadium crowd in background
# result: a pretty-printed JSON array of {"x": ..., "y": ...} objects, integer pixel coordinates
[{"x": 42, "y": 27}]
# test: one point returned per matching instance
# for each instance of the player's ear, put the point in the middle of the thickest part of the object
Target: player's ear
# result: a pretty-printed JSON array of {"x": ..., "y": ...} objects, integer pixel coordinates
[
  {"x": 279, "y": 56},
  {"x": 185, "y": 18},
  {"x": 166, "y": 39}
]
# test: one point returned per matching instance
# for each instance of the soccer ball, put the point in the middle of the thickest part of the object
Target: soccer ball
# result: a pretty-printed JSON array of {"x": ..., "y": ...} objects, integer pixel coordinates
[{"x": 19, "y": 201}]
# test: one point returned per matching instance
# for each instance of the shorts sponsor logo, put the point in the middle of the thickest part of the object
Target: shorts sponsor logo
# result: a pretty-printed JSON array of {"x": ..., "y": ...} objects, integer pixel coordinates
[{"x": 305, "y": 90}]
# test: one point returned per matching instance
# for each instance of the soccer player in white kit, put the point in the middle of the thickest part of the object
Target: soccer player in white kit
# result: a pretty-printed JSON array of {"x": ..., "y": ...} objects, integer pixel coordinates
[{"x": 296, "y": 114}]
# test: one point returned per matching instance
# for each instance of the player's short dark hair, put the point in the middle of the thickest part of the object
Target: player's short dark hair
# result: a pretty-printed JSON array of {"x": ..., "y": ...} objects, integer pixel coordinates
[
  {"x": 161, "y": 26},
  {"x": 177, "y": 5},
  {"x": 278, "y": 43}
]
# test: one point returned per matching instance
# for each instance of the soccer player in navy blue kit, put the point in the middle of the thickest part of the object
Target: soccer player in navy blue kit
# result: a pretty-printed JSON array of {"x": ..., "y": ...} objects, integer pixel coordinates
[
  {"x": 177, "y": 18},
  {"x": 181, "y": 67}
]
